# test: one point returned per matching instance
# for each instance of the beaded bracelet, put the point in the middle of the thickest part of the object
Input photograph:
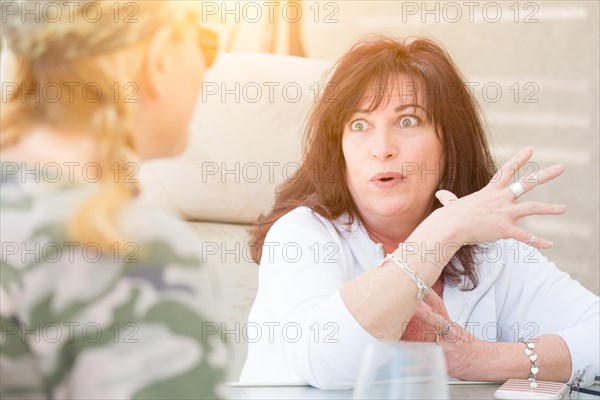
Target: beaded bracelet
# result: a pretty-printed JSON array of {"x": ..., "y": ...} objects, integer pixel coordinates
[
  {"x": 423, "y": 289},
  {"x": 535, "y": 368}
]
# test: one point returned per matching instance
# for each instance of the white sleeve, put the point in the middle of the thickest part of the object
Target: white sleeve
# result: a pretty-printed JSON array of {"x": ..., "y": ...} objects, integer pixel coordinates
[
  {"x": 540, "y": 299},
  {"x": 303, "y": 266}
]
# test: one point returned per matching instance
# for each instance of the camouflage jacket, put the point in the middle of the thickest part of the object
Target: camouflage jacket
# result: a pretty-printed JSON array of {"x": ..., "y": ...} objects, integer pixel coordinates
[{"x": 79, "y": 323}]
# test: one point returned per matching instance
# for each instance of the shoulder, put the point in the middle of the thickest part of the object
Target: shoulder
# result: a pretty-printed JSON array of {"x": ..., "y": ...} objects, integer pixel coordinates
[
  {"x": 158, "y": 249},
  {"x": 157, "y": 229},
  {"x": 303, "y": 215},
  {"x": 152, "y": 297},
  {"x": 303, "y": 222},
  {"x": 169, "y": 254}
]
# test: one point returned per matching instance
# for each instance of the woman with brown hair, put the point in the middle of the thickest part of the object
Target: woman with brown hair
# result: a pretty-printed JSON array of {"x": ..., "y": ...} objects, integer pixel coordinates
[{"x": 398, "y": 227}]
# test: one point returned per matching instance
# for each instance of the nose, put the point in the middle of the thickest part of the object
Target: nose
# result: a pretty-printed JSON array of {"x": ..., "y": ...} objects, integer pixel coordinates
[{"x": 383, "y": 145}]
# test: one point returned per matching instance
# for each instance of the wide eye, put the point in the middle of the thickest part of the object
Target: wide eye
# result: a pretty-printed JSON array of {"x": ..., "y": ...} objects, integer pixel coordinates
[
  {"x": 359, "y": 125},
  {"x": 408, "y": 121}
]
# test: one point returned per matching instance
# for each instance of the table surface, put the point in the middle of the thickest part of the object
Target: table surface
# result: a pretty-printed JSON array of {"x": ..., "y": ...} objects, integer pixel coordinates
[{"x": 479, "y": 391}]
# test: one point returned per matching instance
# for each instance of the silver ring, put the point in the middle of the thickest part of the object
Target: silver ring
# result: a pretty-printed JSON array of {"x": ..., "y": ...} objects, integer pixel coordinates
[
  {"x": 443, "y": 333},
  {"x": 445, "y": 330},
  {"x": 517, "y": 189},
  {"x": 531, "y": 240}
]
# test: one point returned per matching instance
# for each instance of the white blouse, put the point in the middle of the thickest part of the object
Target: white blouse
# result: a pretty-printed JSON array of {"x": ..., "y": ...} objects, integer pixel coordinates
[{"x": 300, "y": 332}]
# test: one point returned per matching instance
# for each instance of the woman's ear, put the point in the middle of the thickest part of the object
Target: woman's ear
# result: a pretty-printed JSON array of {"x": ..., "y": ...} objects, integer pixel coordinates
[{"x": 157, "y": 63}]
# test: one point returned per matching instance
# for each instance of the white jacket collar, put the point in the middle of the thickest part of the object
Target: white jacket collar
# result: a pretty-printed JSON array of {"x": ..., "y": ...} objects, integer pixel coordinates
[{"x": 367, "y": 253}]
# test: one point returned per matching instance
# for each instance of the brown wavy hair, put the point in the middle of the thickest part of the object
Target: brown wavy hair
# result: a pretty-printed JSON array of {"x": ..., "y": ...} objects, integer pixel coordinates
[{"x": 373, "y": 64}]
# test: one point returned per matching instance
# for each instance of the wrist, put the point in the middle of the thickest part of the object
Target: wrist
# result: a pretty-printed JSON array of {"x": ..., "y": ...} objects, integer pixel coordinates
[
  {"x": 438, "y": 231},
  {"x": 474, "y": 359},
  {"x": 502, "y": 359},
  {"x": 487, "y": 362},
  {"x": 443, "y": 221}
]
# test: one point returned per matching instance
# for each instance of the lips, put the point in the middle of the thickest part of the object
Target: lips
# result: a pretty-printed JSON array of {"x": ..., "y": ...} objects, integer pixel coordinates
[{"x": 386, "y": 180}]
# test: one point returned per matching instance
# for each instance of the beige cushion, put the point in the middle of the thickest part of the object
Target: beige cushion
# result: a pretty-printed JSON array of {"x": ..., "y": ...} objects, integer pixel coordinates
[{"x": 245, "y": 139}]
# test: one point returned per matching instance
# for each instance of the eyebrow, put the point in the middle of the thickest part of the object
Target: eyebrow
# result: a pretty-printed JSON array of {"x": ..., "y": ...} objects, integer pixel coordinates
[{"x": 397, "y": 109}]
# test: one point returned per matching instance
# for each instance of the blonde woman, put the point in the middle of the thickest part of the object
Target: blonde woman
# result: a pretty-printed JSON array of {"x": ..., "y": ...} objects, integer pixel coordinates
[{"x": 100, "y": 298}]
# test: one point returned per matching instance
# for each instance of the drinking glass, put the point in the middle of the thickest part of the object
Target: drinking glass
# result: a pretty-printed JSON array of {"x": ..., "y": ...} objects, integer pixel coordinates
[{"x": 406, "y": 370}]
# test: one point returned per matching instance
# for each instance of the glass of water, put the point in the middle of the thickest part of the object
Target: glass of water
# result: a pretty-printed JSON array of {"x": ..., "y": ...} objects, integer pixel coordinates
[{"x": 401, "y": 370}]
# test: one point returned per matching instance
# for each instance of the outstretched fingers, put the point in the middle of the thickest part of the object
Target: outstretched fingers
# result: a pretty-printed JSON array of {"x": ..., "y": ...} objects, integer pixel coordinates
[
  {"x": 530, "y": 181},
  {"x": 506, "y": 173},
  {"x": 528, "y": 208}
]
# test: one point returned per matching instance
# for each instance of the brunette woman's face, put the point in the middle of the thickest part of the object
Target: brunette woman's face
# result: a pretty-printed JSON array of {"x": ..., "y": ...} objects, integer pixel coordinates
[{"x": 394, "y": 159}]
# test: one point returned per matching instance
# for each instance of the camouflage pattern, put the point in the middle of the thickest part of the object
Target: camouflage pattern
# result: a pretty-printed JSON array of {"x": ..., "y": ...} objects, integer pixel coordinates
[{"x": 78, "y": 324}]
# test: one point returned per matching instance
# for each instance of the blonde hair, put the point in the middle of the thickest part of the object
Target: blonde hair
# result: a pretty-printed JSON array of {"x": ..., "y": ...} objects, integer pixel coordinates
[{"x": 105, "y": 57}]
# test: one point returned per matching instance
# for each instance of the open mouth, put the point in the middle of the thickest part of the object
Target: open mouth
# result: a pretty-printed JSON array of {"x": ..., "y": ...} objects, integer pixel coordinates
[
  {"x": 386, "y": 180},
  {"x": 387, "y": 176}
]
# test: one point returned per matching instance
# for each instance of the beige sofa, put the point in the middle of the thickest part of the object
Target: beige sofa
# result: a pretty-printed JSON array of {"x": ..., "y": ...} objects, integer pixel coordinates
[{"x": 245, "y": 140}]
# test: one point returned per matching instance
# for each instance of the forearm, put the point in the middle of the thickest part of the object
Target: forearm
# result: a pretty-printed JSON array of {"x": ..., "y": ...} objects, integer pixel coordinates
[
  {"x": 502, "y": 361},
  {"x": 384, "y": 299}
]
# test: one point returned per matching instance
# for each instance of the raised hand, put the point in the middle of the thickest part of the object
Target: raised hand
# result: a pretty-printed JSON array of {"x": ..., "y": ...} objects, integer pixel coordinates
[{"x": 492, "y": 213}]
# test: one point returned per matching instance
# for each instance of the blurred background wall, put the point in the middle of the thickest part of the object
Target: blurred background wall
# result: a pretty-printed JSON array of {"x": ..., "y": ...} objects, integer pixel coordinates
[{"x": 532, "y": 65}]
